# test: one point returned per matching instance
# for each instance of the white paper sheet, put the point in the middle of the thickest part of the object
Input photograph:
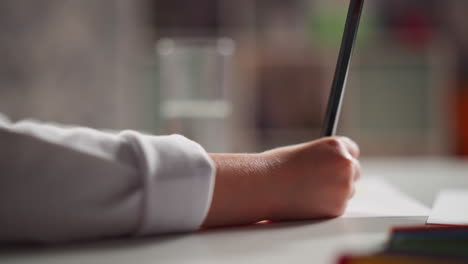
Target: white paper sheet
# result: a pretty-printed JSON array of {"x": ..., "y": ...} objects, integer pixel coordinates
[
  {"x": 450, "y": 208},
  {"x": 376, "y": 198}
]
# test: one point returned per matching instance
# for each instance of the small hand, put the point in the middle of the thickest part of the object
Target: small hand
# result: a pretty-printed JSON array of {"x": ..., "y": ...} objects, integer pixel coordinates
[
  {"x": 310, "y": 180},
  {"x": 314, "y": 179}
]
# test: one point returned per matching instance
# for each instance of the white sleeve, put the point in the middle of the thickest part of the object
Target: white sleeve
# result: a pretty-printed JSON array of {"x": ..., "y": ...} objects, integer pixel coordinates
[{"x": 61, "y": 184}]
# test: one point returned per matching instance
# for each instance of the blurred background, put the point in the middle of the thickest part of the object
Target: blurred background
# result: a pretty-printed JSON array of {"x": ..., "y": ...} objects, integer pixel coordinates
[{"x": 243, "y": 75}]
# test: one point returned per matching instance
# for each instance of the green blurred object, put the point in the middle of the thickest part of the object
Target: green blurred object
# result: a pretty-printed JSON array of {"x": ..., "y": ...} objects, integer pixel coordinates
[
  {"x": 431, "y": 242},
  {"x": 325, "y": 24}
]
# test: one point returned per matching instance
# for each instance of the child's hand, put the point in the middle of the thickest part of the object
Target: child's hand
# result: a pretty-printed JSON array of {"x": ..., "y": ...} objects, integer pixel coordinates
[
  {"x": 313, "y": 180},
  {"x": 310, "y": 180}
]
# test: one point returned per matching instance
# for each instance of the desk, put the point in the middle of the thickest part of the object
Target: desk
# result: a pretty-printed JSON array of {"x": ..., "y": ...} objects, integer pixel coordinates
[{"x": 295, "y": 242}]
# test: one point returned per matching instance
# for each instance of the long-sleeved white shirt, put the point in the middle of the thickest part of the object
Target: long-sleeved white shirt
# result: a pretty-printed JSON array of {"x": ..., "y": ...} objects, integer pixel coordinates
[{"x": 61, "y": 184}]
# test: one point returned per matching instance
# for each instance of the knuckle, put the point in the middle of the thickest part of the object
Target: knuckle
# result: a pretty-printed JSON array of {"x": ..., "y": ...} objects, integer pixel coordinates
[
  {"x": 345, "y": 170},
  {"x": 336, "y": 150},
  {"x": 333, "y": 143},
  {"x": 338, "y": 154},
  {"x": 345, "y": 163}
]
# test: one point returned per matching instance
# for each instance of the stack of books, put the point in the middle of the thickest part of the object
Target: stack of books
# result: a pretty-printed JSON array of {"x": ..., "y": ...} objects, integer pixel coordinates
[{"x": 428, "y": 244}]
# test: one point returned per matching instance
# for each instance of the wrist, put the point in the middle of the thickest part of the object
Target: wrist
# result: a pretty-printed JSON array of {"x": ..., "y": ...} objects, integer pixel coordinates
[
  {"x": 243, "y": 190},
  {"x": 275, "y": 184},
  {"x": 267, "y": 189}
]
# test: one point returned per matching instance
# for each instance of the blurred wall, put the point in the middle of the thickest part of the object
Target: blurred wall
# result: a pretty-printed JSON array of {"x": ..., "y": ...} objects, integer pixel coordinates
[
  {"x": 94, "y": 63},
  {"x": 404, "y": 94},
  {"x": 72, "y": 61}
]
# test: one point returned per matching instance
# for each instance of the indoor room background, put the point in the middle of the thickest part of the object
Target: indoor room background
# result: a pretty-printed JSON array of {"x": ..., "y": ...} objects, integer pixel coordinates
[{"x": 241, "y": 76}]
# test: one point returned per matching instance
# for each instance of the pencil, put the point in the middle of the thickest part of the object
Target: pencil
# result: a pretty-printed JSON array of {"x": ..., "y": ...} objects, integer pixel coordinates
[{"x": 342, "y": 68}]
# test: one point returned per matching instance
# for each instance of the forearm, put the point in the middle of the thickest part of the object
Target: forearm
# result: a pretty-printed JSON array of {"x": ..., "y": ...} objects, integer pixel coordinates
[{"x": 242, "y": 193}]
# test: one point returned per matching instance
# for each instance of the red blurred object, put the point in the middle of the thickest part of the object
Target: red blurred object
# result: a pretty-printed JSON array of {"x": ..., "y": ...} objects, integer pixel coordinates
[
  {"x": 461, "y": 120},
  {"x": 414, "y": 29}
]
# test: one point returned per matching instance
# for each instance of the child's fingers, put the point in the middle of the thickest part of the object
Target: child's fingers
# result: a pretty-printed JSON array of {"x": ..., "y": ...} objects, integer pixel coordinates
[
  {"x": 351, "y": 146},
  {"x": 352, "y": 193},
  {"x": 357, "y": 171}
]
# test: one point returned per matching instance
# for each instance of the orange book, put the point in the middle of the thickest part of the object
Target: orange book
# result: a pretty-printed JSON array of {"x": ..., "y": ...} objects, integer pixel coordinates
[
  {"x": 389, "y": 259},
  {"x": 427, "y": 227}
]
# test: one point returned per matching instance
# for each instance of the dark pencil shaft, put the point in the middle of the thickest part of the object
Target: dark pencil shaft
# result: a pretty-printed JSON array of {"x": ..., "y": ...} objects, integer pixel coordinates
[{"x": 342, "y": 68}]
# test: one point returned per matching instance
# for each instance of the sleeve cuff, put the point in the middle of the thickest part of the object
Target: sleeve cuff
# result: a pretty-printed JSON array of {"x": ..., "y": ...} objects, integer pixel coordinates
[{"x": 178, "y": 181}]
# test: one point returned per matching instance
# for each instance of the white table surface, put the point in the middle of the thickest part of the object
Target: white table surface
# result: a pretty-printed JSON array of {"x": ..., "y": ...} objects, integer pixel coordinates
[{"x": 294, "y": 242}]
